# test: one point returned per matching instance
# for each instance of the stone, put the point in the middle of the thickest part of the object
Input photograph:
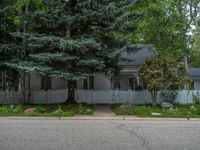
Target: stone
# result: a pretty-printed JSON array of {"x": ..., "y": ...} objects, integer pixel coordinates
[
  {"x": 166, "y": 105},
  {"x": 156, "y": 114},
  {"x": 30, "y": 110}
]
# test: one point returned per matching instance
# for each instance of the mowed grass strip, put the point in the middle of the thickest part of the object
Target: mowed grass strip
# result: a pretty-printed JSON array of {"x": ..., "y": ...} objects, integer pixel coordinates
[
  {"x": 60, "y": 110},
  {"x": 178, "y": 111}
]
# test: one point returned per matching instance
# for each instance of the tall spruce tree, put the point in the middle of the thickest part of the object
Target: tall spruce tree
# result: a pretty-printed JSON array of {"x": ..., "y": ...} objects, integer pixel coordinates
[
  {"x": 8, "y": 47},
  {"x": 71, "y": 39}
]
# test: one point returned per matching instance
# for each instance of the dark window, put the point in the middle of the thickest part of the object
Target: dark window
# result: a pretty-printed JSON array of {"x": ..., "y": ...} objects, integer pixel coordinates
[
  {"x": 91, "y": 82},
  {"x": 45, "y": 83},
  {"x": 85, "y": 84},
  {"x": 131, "y": 83},
  {"x": 117, "y": 85}
]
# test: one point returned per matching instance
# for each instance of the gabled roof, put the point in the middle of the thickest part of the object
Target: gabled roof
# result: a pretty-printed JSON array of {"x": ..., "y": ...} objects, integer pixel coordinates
[
  {"x": 137, "y": 58},
  {"x": 194, "y": 72}
]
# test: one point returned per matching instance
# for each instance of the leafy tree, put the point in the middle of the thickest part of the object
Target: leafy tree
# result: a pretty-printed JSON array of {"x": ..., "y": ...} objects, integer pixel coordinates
[
  {"x": 72, "y": 39},
  {"x": 168, "y": 24},
  {"x": 195, "y": 52},
  {"x": 158, "y": 74}
]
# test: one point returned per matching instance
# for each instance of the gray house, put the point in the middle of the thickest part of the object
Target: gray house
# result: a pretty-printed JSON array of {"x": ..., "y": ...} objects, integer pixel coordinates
[
  {"x": 98, "y": 88},
  {"x": 127, "y": 80},
  {"x": 195, "y": 75}
]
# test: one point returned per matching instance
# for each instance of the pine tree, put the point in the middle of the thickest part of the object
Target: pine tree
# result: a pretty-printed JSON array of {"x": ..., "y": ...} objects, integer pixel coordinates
[
  {"x": 8, "y": 47},
  {"x": 71, "y": 39}
]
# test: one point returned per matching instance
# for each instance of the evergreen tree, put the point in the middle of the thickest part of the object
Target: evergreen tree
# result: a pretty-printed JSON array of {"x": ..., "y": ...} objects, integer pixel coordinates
[
  {"x": 8, "y": 47},
  {"x": 71, "y": 39}
]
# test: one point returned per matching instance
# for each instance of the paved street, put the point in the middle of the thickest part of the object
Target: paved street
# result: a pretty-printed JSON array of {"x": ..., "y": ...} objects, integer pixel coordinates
[{"x": 99, "y": 135}]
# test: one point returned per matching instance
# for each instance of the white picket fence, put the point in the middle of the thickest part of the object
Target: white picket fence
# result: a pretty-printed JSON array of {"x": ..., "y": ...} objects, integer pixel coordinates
[
  {"x": 9, "y": 97},
  {"x": 113, "y": 96},
  {"x": 48, "y": 97},
  {"x": 93, "y": 97}
]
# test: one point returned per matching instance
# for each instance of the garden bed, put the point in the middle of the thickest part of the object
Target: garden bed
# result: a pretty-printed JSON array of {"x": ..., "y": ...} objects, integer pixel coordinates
[
  {"x": 56, "y": 110},
  {"x": 178, "y": 111}
]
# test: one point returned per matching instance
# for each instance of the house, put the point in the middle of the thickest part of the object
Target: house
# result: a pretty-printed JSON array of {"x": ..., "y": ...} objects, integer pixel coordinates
[
  {"x": 195, "y": 75},
  {"x": 98, "y": 88},
  {"x": 128, "y": 79}
]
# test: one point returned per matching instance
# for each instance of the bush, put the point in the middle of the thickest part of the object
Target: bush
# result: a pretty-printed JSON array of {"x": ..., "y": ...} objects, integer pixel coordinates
[
  {"x": 59, "y": 112},
  {"x": 11, "y": 109},
  {"x": 127, "y": 109},
  {"x": 196, "y": 98},
  {"x": 41, "y": 109},
  {"x": 4, "y": 109},
  {"x": 139, "y": 88},
  {"x": 169, "y": 95}
]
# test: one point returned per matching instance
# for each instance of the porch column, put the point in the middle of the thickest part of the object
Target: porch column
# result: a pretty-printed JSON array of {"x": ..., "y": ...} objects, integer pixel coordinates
[{"x": 137, "y": 78}]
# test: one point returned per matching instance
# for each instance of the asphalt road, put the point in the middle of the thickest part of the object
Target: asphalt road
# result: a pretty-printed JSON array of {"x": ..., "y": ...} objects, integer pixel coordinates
[{"x": 99, "y": 135}]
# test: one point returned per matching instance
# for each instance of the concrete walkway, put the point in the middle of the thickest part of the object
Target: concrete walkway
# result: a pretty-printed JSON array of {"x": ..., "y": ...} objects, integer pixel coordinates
[{"x": 103, "y": 111}]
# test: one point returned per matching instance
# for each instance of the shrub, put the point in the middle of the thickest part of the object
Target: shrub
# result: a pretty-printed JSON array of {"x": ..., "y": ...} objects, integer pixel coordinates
[
  {"x": 139, "y": 88},
  {"x": 11, "y": 109},
  {"x": 81, "y": 108},
  {"x": 18, "y": 109},
  {"x": 169, "y": 95},
  {"x": 196, "y": 98},
  {"x": 127, "y": 109},
  {"x": 59, "y": 112},
  {"x": 4, "y": 109},
  {"x": 41, "y": 109}
]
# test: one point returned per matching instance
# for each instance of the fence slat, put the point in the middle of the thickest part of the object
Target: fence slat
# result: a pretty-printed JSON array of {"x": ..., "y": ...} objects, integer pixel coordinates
[{"x": 94, "y": 97}]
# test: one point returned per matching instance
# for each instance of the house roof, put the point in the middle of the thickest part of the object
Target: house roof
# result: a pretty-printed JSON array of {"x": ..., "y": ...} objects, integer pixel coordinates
[
  {"x": 194, "y": 72},
  {"x": 137, "y": 58}
]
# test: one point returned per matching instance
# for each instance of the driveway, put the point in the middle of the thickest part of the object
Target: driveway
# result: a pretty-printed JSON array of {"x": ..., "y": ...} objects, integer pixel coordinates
[{"x": 98, "y": 135}]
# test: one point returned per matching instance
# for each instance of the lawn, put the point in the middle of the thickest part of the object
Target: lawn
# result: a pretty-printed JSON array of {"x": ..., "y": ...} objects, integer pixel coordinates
[
  {"x": 56, "y": 110},
  {"x": 179, "y": 111}
]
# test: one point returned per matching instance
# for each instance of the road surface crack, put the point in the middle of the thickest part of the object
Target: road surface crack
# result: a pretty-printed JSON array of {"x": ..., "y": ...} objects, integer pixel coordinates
[{"x": 144, "y": 142}]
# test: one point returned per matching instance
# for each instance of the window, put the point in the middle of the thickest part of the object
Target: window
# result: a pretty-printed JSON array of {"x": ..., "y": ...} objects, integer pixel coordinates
[
  {"x": 85, "y": 84},
  {"x": 45, "y": 83},
  {"x": 88, "y": 83},
  {"x": 91, "y": 82},
  {"x": 117, "y": 85},
  {"x": 133, "y": 83}
]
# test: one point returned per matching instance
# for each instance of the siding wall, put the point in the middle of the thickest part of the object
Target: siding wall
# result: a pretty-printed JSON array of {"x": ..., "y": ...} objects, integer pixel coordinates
[{"x": 197, "y": 84}]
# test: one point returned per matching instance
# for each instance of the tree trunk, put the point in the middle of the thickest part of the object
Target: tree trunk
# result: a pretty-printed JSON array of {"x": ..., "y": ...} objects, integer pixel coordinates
[
  {"x": 23, "y": 86},
  {"x": 3, "y": 80},
  {"x": 29, "y": 88},
  {"x": 154, "y": 98},
  {"x": 71, "y": 85}
]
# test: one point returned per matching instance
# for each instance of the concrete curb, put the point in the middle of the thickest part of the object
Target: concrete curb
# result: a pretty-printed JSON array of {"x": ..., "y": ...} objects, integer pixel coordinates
[{"x": 128, "y": 118}]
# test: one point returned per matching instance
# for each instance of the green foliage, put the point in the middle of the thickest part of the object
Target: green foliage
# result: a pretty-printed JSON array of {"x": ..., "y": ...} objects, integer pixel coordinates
[
  {"x": 70, "y": 39},
  {"x": 12, "y": 109},
  {"x": 167, "y": 24},
  {"x": 180, "y": 111},
  {"x": 139, "y": 88},
  {"x": 195, "y": 52},
  {"x": 163, "y": 72},
  {"x": 169, "y": 95},
  {"x": 60, "y": 110},
  {"x": 124, "y": 109},
  {"x": 41, "y": 109},
  {"x": 196, "y": 98}
]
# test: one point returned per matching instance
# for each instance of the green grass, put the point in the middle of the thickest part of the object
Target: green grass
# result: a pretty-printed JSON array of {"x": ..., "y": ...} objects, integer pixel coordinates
[
  {"x": 56, "y": 110},
  {"x": 179, "y": 111}
]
